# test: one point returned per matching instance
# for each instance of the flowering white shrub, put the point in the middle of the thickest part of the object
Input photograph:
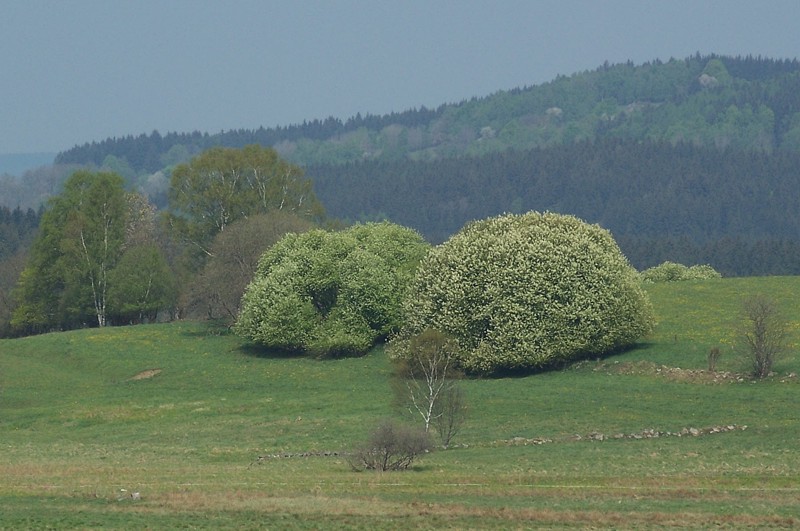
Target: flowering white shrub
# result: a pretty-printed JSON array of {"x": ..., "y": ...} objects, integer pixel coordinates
[
  {"x": 673, "y": 272},
  {"x": 527, "y": 291},
  {"x": 331, "y": 293}
]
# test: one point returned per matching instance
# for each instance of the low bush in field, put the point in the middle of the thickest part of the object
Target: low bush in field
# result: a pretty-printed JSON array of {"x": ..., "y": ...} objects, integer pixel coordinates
[
  {"x": 673, "y": 272},
  {"x": 391, "y": 446}
]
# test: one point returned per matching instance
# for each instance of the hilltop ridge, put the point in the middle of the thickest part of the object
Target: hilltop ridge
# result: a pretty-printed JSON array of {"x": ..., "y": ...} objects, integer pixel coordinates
[{"x": 712, "y": 100}]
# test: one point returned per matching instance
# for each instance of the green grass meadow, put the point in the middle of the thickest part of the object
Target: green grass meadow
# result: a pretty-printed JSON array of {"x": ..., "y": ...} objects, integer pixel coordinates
[{"x": 180, "y": 414}]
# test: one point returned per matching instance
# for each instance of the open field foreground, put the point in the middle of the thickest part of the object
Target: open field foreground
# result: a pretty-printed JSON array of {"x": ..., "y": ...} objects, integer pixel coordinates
[{"x": 174, "y": 426}]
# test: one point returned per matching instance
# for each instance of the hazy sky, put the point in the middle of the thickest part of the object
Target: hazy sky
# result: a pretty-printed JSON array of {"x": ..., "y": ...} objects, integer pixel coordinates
[{"x": 74, "y": 71}]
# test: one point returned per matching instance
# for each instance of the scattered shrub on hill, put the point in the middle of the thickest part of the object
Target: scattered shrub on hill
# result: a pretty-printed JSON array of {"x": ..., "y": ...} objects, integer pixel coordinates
[
  {"x": 331, "y": 294},
  {"x": 391, "y": 446},
  {"x": 673, "y": 272},
  {"x": 527, "y": 291}
]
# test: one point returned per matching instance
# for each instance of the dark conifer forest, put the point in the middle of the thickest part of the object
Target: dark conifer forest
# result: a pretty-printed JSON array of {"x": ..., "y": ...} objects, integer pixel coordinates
[{"x": 737, "y": 210}]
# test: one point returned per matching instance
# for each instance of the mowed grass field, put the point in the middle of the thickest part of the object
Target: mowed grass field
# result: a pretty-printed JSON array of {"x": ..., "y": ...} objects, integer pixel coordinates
[{"x": 180, "y": 415}]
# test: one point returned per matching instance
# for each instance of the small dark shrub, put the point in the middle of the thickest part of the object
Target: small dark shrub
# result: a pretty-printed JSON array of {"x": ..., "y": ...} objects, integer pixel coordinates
[
  {"x": 713, "y": 356},
  {"x": 391, "y": 446},
  {"x": 762, "y": 334},
  {"x": 450, "y": 414}
]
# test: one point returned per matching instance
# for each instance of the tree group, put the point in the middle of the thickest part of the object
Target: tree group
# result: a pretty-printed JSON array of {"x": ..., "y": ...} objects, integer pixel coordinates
[
  {"x": 103, "y": 254},
  {"x": 93, "y": 259}
]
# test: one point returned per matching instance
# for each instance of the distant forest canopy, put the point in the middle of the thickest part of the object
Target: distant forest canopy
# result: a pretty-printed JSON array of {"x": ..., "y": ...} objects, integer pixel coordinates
[
  {"x": 694, "y": 160},
  {"x": 661, "y": 201},
  {"x": 741, "y": 102},
  {"x": 17, "y": 228}
]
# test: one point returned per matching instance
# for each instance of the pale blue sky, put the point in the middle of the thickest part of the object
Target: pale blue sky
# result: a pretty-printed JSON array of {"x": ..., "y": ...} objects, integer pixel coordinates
[{"x": 74, "y": 71}]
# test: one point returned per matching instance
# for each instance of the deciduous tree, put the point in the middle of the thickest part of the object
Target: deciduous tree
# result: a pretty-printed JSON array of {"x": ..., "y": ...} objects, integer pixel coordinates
[
  {"x": 142, "y": 284},
  {"x": 222, "y": 185},
  {"x": 762, "y": 333},
  {"x": 80, "y": 241},
  {"x": 94, "y": 255},
  {"x": 427, "y": 374},
  {"x": 217, "y": 291}
]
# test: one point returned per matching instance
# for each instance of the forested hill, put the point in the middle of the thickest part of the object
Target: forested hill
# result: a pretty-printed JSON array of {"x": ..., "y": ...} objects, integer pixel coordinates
[
  {"x": 736, "y": 209},
  {"x": 694, "y": 160},
  {"x": 740, "y": 102}
]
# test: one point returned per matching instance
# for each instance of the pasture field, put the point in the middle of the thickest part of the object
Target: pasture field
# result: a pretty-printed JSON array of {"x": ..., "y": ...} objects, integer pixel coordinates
[{"x": 162, "y": 427}]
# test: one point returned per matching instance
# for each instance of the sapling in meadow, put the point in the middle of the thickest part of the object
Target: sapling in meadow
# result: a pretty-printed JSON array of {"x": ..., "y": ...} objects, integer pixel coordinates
[
  {"x": 426, "y": 381},
  {"x": 713, "y": 357},
  {"x": 391, "y": 446}
]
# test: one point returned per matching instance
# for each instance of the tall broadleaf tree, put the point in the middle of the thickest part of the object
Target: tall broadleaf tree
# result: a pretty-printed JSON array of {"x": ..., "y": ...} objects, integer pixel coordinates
[
  {"x": 222, "y": 185},
  {"x": 142, "y": 284},
  {"x": 80, "y": 240}
]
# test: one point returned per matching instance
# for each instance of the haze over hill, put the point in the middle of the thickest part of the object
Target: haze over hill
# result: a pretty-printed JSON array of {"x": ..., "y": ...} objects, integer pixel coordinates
[
  {"x": 83, "y": 71},
  {"x": 18, "y": 163}
]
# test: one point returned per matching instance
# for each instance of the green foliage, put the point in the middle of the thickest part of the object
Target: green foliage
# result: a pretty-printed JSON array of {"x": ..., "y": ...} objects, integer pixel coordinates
[
  {"x": 222, "y": 185},
  {"x": 331, "y": 294},
  {"x": 17, "y": 228},
  {"x": 79, "y": 242},
  {"x": 732, "y": 209},
  {"x": 94, "y": 257},
  {"x": 520, "y": 292},
  {"x": 676, "y": 101},
  {"x": 673, "y": 272},
  {"x": 655, "y": 152},
  {"x": 10, "y": 270},
  {"x": 141, "y": 285}
]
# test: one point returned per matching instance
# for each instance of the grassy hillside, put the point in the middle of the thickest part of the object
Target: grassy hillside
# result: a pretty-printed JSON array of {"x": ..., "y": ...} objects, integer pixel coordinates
[{"x": 180, "y": 415}]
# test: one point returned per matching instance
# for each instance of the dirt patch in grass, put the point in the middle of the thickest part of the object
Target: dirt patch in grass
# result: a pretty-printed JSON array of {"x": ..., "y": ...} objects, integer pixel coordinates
[{"x": 149, "y": 373}]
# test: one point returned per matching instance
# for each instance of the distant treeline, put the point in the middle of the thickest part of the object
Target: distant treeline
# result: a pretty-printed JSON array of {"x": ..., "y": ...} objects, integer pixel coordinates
[
  {"x": 743, "y": 102},
  {"x": 17, "y": 228},
  {"x": 150, "y": 153},
  {"x": 738, "y": 210}
]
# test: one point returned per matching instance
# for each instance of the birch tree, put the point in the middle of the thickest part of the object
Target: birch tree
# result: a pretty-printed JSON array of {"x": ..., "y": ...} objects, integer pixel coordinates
[
  {"x": 426, "y": 381},
  {"x": 65, "y": 283}
]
